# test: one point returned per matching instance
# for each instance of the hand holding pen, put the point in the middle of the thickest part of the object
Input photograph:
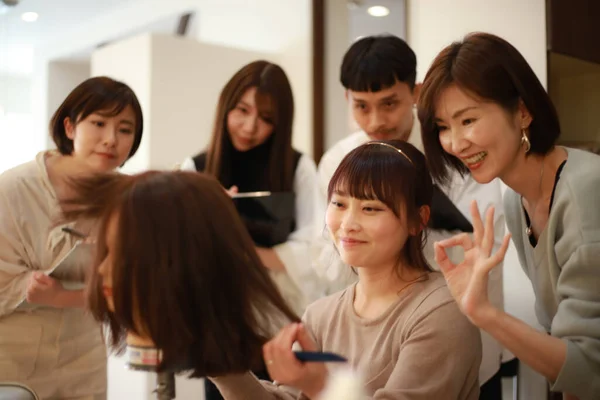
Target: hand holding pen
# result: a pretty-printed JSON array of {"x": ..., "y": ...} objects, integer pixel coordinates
[{"x": 284, "y": 365}]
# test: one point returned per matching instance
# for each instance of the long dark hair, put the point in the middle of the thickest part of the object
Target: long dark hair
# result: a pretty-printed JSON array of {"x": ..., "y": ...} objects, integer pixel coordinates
[
  {"x": 185, "y": 272},
  {"x": 273, "y": 97}
]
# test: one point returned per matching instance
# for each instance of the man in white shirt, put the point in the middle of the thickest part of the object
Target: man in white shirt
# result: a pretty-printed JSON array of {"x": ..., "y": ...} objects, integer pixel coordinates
[{"x": 379, "y": 74}]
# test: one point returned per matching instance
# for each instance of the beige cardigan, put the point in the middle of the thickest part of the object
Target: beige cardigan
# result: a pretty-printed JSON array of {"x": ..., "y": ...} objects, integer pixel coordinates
[{"x": 58, "y": 352}]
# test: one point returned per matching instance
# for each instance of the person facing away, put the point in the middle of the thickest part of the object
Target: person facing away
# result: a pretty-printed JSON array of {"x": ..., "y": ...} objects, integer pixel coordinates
[
  {"x": 379, "y": 75},
  {"x": 398, "y": 324},
  {"x": 483, "y": 110},
  {"x": 177, "y": 271},
  {"x": 49, "y": 342}
]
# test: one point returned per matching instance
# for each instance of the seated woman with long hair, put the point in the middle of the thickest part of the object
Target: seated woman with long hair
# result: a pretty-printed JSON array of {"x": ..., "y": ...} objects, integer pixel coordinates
[{"x": 398, "y": 325}]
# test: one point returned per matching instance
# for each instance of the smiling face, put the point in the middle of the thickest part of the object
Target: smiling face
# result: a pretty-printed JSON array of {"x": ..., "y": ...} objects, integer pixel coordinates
[
  {"x": 386, "y": 114},
  {"x": 247, "y": 126},
  {"x": 483, "y": 135},
  {"x": 366, "y": 233},
  {"x": 102, "y": 142}
]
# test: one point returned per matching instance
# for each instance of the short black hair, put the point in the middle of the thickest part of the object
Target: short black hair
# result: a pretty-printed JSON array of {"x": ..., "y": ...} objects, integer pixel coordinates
[{"x": 377, "y": 62}]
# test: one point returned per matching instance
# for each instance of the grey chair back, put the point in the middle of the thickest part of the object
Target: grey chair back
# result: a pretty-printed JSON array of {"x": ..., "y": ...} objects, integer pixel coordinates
[{"x": 16, "y": 391}]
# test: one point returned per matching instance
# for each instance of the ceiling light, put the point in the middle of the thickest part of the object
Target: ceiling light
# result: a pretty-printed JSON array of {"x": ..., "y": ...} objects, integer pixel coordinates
[
  {"x": 29, "y": 16},
  {"x": 378, "y": 11}
]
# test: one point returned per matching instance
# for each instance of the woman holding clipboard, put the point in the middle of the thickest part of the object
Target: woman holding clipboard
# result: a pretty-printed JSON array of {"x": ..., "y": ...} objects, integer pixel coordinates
[
  {"x": 47, "y": 340},
  {"x": 251, "y": 151}
]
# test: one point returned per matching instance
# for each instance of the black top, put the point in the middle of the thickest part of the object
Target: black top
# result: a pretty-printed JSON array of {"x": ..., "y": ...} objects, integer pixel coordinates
[
  {"x": 250, "y": 169},
  {"x": 532, "y": 238}
]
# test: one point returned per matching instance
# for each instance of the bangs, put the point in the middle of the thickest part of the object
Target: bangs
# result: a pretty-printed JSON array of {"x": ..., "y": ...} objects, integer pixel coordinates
[
  {"x": 374, "y": 172},
  {"x": 372, "y": 76},
  {"x": 106, "y": 104}
]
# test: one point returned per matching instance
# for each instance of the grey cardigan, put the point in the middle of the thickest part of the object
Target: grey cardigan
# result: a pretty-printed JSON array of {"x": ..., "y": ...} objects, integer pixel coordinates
[{"x": 564, "y": 269}]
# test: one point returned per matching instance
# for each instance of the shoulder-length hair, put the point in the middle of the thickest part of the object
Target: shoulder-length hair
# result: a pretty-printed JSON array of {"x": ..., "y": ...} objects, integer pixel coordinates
[
  {"x": 395, "y": 173},
  {"x": 492, "y": 70},
  {"x": 95, "y": 95},
  {"x": 273, "y": 98},
  {"x": 185, "y": 273}
]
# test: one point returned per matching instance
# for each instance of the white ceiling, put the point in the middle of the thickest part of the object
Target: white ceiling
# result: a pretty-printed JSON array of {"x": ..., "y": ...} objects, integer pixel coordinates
[
  {"x": 18, "y": 39},
  {"x": 363, "y": 24}
]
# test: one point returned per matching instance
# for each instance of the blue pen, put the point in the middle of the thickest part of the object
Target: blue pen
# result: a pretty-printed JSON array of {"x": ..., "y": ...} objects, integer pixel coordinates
[{"x": 316, "y": 356}]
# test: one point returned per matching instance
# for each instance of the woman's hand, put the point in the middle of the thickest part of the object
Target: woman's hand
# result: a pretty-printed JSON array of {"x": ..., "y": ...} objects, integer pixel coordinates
[
  {"x": 283, "y": 366},
  {"x": 468, "y": 280},
  {"x": 44, "y": 290},
  {"x": 231, "y": 191}
]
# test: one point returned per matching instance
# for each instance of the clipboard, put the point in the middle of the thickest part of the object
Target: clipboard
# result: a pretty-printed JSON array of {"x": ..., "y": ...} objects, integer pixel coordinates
[
  {"x": 66, "y": 270},
  {"x": 248, "y": 195},
  {"x": 269, "y": 217}
]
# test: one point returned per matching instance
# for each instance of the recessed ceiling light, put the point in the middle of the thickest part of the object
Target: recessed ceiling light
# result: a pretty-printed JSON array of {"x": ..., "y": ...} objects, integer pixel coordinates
[
  {"x": 378, "y": 11},
  {"x": 29, "y": 16}
]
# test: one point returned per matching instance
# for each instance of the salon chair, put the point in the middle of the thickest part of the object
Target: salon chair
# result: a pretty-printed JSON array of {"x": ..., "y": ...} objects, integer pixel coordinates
[{"x": 16, "y": 391}]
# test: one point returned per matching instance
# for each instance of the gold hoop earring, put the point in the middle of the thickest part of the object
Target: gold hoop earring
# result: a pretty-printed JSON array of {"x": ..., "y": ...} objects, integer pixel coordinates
[{"x": 525, "y": 140}]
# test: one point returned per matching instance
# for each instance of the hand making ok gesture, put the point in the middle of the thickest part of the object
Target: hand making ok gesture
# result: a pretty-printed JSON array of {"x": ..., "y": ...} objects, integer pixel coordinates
[{"x": 468, "y": 280}]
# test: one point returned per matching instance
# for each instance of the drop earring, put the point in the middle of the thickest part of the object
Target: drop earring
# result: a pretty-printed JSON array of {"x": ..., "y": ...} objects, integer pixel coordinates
[{"x": 525, "y": 140}]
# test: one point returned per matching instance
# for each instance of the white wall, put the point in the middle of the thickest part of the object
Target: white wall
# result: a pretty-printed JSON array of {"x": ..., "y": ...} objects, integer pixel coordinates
[
  {"x": 63, "y": 77},
  {"x": 432, "y": 25},
  {"x": 18, "y": 141},
  {"x": 15, "y": 94}
]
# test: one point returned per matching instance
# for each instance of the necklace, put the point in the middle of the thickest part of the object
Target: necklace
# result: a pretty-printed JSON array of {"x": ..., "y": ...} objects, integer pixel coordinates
[{"x": 529, "y": 230}]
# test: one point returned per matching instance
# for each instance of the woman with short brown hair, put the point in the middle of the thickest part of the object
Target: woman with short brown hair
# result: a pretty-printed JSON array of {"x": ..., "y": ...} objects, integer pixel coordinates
[
  {"x": 49, "y": 342},
  {"x": 484, "y": 112}
]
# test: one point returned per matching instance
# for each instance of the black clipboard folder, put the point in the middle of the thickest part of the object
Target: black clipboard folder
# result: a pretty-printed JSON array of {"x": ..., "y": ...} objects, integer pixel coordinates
[
  {"x": 268, "y": 216},
  {"x": 445, "y": 215}
]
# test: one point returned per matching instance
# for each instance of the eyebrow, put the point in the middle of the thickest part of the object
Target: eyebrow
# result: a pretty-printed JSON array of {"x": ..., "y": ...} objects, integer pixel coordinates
[
  {"x": 388, "y": 98},
  {"x": 242, "y": 102},
  {"x": 457, "y": 113},
  {"x": 393, "y": 96},
  {"x": 126, "y": 121}
]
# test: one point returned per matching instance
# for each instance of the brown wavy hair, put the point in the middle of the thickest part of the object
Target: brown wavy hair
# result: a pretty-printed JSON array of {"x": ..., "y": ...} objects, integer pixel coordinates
[
  {"x": 490, "y": 69},
  {"x": 185, "y": 273}
]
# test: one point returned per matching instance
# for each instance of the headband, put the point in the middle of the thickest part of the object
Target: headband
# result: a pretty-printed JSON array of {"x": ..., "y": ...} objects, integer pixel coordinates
[{"x": 394, "y": 148}]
